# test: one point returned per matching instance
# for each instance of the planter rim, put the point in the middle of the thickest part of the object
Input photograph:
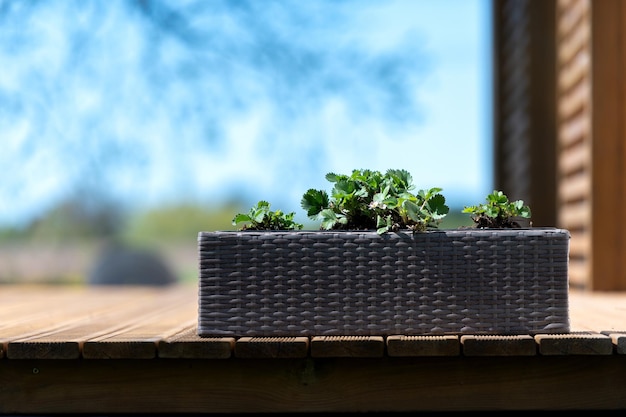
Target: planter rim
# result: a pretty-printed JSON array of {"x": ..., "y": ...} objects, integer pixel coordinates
[
  {"x": 400, "y": 232},
  {"x": 403, "y": 230}
]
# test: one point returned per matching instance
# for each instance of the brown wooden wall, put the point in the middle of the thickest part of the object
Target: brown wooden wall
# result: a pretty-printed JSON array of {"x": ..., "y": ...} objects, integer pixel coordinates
[
  {"x": 559, "y": 123},
  {"x": 608, "y": 137}
]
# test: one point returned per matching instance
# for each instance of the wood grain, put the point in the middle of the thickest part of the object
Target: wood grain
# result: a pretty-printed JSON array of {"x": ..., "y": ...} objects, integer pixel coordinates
[
  {"x": 116, "y": 323},
  {"x": 112, "y": 350},
  {"x": 454, "y": 383}
]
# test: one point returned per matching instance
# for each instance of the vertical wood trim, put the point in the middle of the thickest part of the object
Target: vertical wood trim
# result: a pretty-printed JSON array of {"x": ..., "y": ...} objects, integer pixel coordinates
[
  {"x": 543, "y": 158},
  {"x": 609, "y": 199},
  {"x": 620, "y": 192}
]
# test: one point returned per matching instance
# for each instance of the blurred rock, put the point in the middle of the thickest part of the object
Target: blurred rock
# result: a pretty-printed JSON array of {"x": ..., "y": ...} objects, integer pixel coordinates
[{"x": 121, "y": 265}]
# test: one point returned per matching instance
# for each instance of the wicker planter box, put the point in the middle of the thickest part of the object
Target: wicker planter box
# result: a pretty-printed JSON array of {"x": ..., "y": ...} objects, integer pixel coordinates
[{"x": 305, "y": 283}]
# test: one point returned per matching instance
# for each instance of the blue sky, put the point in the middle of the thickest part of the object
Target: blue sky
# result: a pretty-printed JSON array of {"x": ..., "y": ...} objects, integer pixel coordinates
[{"x": 150, "y": 103}]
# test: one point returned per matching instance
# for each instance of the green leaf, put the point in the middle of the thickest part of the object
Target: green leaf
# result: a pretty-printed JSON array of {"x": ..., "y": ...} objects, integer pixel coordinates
[
  {"x": 392, "y": 202},
  {"x": 492, "y": 211},
  {"x": 240, "y": 218},
  {"x": 314, "y": 201},
  {"x": 438, "y": 207},
  {"x": 332, "y": 177},
  {"x": 524, "y": 211},
  {"x": 259, "y": 215},
  {"x": 382, "y": 230},
  {"x": 329, "y": 218},
  {"x": 412, "y": 210},
  {"x": 344, "y": 187}
]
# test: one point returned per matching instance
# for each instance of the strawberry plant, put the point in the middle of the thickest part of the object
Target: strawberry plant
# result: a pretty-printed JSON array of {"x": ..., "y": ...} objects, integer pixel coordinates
[
  {"x": 498, "y": 212},
  {"x": 261, "y": 217},
  {"x": 368, "y": 200}
]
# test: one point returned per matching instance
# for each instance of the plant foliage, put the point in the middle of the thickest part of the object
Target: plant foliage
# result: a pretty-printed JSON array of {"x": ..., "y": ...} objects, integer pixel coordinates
[
  {"x": 261, "y": 217},
  {"x": 498, "y": 212},
  {"x": 368, "y": 200}
]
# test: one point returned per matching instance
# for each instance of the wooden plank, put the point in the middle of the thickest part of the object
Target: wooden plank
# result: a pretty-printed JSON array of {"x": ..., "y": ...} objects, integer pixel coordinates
[
  {"x": 56, "y": 307},
  {"x": 445, "y": 345},
  {"x": 498, "y": 345},
  {"x": 357, "y": 385},
  {"x": 571, "y": 15},
  {"x": 188, "y": 345},
  {"x": 597, "y": 311},
  {"x": 572, "y": 132},
  {"x": 609, "y": 153},
  {"x": 44, "y": 349},
  {"x": 347, "y": 346},
  {"x": 584, "y": 314},
  {"x": 30, "y": 304},
  {"x": 55, "y": 329},
  {"x": 575, "y": 70},
  {"x": 576, "y": 187},
  {"x": 139, "y": 336},
  {"x": 272, "y": 347},
  {"x": 579, "y": 273},
  {"x": 619, "y": 341},
  {"x": 572, "y": 101},
  {"x": 574, "y": 215},
  {"x": 580, "y": 242},
  {"x": 592, "y": 312},
  {"x": 575, "y": 159},
  {"x": 66, "y": 339},
  {"x": 574, "y": 344},
  {"x": 571, "y": 42}
]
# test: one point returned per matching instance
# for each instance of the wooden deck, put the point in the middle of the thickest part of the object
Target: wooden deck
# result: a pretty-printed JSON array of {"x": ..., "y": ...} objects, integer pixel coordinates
[{"x": 124, "y": 349}]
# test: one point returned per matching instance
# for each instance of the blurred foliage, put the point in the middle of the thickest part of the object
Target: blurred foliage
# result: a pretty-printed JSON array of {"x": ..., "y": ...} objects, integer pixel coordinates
[
  {"x": 455, "y": 219},
  {"x": 72, "y": 220},
  {"x": 178, "y": 223},
  {"x": 62, "y": 246},
  {"x": 11, "y": 234}
]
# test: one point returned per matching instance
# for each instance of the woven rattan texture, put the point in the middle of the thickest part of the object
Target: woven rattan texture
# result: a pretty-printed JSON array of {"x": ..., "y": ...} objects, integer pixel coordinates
[{"x": 464, "y": 281}]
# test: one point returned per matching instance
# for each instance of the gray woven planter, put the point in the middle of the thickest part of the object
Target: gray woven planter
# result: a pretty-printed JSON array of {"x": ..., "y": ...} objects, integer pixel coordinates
[{"x": 306, "y": 283}]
